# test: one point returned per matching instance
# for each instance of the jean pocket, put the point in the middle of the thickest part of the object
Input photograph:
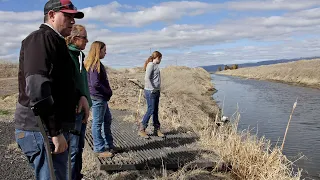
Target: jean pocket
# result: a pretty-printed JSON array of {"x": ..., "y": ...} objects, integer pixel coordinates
[
  {"x": 28, "y": 144},
  {"x": 97, "y": 103}
]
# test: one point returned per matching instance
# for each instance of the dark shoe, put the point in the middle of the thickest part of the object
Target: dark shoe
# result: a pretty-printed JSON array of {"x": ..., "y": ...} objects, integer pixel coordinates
[{"x": 114, "y": 150}]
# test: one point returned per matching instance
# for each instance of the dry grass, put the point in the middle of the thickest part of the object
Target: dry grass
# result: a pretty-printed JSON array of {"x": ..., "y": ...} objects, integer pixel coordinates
[
  {"x": 304, "y": 72},
  {"x": 250, "y": 157},
  {"x": 7, "y": 106},
  {"x": 8, "y": 70},
  {"x": 186, "y": 103},
  {"x": 185, "y": 100},
  {"x": 193, "y": 175}
]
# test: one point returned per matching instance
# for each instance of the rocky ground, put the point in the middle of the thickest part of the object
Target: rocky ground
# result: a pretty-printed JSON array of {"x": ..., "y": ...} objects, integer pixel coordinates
[{"x": 13, "y": 163}]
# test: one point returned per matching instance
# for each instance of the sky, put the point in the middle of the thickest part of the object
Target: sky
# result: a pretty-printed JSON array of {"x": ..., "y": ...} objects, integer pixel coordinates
[{"x": 187, "y": 33}]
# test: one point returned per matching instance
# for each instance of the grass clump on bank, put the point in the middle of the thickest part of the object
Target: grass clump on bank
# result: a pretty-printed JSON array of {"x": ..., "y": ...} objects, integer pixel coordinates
[
  {"x": 250, "y": 157},
  {"x": 4, "y": 112}
]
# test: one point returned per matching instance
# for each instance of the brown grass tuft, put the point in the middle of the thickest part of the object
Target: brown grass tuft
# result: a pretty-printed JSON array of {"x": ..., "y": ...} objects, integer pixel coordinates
[
  {"x": 249, "y": 156},
  {"x": 8, "y": 69}
]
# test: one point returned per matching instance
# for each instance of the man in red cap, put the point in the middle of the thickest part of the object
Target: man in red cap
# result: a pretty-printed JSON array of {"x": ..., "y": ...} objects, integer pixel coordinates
[{"x": 47, "y": 89}]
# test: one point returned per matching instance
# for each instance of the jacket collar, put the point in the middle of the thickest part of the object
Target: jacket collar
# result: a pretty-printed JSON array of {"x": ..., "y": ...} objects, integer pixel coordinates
[
  {"x": 53, "y": 29},
  {"x": 74, "y": 48}
]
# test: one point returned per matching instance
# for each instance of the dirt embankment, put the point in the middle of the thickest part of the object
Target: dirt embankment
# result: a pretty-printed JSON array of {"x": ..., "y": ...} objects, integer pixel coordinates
[
  {"x": 185, "y": 104},
  {"x": 185, "y": 95},
  {"x": 303, "y": 72}
]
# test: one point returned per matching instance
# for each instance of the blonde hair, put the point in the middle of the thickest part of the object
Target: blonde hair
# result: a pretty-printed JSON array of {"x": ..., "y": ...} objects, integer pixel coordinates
[
  {"x": 75, "y": 31},
  {"x": 154, "y": 55},
  {"x": 92, "y": 62}
]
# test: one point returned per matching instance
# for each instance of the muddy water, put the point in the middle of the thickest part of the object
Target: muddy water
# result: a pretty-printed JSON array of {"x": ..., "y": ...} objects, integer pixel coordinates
[{"x": 265, "y": 108}]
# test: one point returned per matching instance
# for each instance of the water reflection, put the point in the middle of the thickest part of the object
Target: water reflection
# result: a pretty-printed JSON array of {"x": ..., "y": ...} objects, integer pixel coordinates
[{"x": 266, "y": 106}]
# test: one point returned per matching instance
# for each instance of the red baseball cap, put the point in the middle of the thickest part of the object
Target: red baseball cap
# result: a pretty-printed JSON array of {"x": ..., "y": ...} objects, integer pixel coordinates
[{"x": 65, "y": 6}]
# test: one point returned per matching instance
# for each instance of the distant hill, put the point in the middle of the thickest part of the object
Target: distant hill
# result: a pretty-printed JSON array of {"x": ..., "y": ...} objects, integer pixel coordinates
[{"x": 214, "y": 68}]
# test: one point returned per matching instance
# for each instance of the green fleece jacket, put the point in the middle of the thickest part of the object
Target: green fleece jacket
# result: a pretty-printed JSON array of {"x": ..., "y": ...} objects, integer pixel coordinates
[{"x": 81, "y": 72}]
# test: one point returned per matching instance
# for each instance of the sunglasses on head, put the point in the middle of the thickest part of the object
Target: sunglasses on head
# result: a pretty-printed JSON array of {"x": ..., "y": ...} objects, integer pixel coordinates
[
  {"x": 67, "y": 6},
  {"x": 83, "y": 37}
]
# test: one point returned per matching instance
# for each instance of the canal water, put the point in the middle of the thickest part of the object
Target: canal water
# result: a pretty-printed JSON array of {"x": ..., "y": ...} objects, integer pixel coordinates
[{"x": 265, "y": 108}]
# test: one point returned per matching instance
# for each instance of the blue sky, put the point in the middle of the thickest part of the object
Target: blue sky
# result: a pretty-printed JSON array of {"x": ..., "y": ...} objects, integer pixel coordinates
[{"x": 192, "y": 33}]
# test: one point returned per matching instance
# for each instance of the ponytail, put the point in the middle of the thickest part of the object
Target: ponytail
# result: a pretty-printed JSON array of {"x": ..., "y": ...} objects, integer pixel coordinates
[{"x": 150, "y": 59}]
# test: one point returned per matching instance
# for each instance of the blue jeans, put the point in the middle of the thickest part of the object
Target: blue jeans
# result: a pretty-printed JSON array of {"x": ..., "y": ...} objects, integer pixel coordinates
[
  {"x": 153, "y": 109},
  {"x": 101, "y": 126},
  {"x": 32, "y": 145},
  {"x": 77, "y": 145}
]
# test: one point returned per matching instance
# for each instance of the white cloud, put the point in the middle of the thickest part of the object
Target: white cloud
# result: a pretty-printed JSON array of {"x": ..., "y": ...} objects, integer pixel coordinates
[
  {"x": 169, "y": 11},
  {"x": 128, "y": 49},
  {"x": 8, "y": 16},
  {"x": 260, "y": 5},
  {"x": 165, "y": 12}
]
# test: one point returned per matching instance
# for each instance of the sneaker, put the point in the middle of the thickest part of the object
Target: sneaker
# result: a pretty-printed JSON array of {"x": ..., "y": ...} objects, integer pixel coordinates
[
  {"x": 142, "y": 133},
  {"x": 159, "y": 133},
  {"x": 105, "y": 154}
]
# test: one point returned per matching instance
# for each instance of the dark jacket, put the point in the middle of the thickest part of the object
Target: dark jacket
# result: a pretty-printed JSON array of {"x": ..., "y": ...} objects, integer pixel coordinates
[
  {"x": 46, "y": 70},
  {"x": 81, "y": 73},
  {"x": 99, "y": 84}
]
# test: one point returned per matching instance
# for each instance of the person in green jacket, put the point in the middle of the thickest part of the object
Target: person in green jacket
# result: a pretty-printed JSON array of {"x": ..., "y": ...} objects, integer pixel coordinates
[{"x": 76, "y": 43}]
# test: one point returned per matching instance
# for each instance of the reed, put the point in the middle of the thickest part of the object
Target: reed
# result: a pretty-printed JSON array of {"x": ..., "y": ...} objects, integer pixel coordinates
[{"x": 285, "y": 134}]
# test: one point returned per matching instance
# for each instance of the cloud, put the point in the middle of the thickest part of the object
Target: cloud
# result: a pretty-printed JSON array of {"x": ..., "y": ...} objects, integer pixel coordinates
[
  {"x": 237, "y": 55},
  {"x": 167, "y": 12},
  {"x": 178, "y": 41},
  {"x": 264, "y": 5},
  {"x": 7, "y": 16}
]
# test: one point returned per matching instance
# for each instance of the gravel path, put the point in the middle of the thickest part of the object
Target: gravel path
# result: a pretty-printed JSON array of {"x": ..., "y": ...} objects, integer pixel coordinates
[{"x": 13, "y": 163}]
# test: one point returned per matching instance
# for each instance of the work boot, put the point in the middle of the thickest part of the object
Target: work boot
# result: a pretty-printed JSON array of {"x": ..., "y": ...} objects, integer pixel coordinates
[
  {"x": 142, "y": 131},
  {"x": 158, "y": 133},
  {"x": 143, "y": 134},
  {"x": 105, "y": 154}
]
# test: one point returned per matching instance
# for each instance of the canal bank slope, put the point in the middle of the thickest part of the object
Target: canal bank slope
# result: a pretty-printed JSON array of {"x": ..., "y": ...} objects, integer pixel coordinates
[
  {"x": 186, "y": 104},
  {"x": 303, "y": 72}
]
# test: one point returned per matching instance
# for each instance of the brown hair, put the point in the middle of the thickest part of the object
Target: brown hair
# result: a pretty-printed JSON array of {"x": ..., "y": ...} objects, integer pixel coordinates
[
  {"x": 76, "y": 29},
  {"x": 154, "y": 55},
  {"x": 93, "y": 59}
]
